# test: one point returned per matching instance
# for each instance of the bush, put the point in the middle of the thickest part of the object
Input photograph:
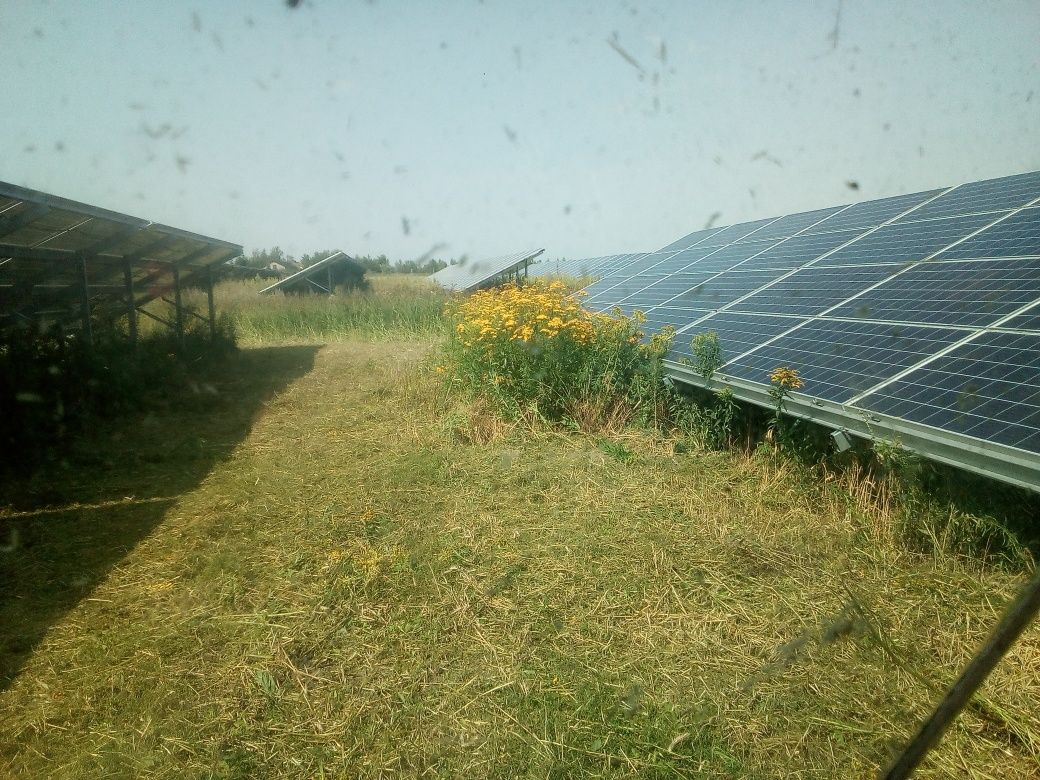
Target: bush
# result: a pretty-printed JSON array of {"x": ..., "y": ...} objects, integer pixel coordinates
[{"x": 534, "y": 350}]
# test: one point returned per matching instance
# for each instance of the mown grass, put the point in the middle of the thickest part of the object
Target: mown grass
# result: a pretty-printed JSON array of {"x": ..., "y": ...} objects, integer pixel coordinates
[
  {"x": 396, "y": 305},
  {"x": 376, "y": 581}
]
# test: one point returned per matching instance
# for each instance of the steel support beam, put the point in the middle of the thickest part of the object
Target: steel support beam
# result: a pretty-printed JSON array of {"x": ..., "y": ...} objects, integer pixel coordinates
[
  {"x": 131, "y": 306},
  {"x": 209, "y": 304},
  {"x": 88, "y": 330},
  {"x": 178, "y": 308}
]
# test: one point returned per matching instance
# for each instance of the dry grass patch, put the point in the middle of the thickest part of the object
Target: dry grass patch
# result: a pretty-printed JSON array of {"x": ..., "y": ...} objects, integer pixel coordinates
[{"x": 354, "y": 591}]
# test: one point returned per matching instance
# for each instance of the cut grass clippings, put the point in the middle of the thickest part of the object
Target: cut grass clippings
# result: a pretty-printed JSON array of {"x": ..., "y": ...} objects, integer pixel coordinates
[{"x": 356, "y": 589}]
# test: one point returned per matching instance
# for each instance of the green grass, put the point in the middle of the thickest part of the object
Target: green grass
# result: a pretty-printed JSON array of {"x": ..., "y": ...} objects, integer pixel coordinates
[
  {"x": 329, "y": 569},
  {"x": 396, "y": 305}
]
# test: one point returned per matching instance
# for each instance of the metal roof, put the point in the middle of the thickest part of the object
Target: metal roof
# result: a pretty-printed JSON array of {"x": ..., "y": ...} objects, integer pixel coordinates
[
  {"x": 54, "y": 250},
  {"x": 474, "y": 274}
]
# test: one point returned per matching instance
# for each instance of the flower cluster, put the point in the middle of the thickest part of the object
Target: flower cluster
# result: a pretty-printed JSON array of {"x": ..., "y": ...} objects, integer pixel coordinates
[
  {"x": 787, "y": 378},
  {"x": 523, "y": 314},
  {"x": 534, "y": 348}
]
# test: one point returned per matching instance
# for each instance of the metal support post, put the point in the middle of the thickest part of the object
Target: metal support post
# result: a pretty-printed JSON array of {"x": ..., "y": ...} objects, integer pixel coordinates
[
  {"x": 209, "y": 301},
  {"x": 131, "y": 303},
  {"x": 88, "y": 330},
  {"x": 329, "y": 268},
  {"x": 179, "y": 312},
  {"x": 1014, "y": 621}
]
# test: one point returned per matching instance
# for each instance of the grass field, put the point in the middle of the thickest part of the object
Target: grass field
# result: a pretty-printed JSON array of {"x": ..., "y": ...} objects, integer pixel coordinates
[
  {"x": 322, "y": 566},
  {"x": 398, "y": 304}
]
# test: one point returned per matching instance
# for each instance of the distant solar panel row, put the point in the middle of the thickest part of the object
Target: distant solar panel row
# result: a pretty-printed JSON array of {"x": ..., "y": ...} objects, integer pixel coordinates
[
  {"x": 920, "y": 310},
  {"x": 476, "y": 274}
]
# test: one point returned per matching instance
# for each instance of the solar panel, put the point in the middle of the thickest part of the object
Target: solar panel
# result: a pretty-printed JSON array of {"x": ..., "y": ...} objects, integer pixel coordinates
[
  {"x": 700, "y": 291},
  {"x": 988, "y": 388},
  {"x": 738, "y": 333},
  {"x": 697, "y": 237},
  {"x": 799, "y": 250},
  {"x": 580, "y": 268},
  {"x": 791, "y": 224},
  {"x": 62, "y": 261},
  {"x": 1009, "y": 192},
  {"x": 838, "y": 359},
  {"x": 908, "y": 242},
  {"x": 872, "y": 212},
  {"x": 475, "y": 274},
  {"x": 1016, "y": 236},
  {"x": 315, "y": 276},
  {"x": 812, "y": 290},
  {"x": 858, "y": 299},
  {"x": 953, "y": 293}
]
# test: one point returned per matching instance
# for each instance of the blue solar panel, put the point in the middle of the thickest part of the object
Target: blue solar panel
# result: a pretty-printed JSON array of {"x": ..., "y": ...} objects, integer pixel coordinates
[
  {"x": 699, "y": 291},
  {"x": 813, "y": 289},
  {"x": 738, "y": 333},
  {"x": 854, "y": 296},
  {"x": 839, "y": 359},
  {"x": 969, "y": 293},
  {"x": 662, "y": 290},
  {"x": 988, "y": 388},
  {"x": 735, "y": 232},
  {"x": 796, "y": 252},
  {"x": 697, "y": 237},
  {"x": 725, "y": 258},
  {"x": 1029, "y": 320},
  {"x": 682, "y": 262},
  {"x": 1010, "y": 192},
  {"x": 907, "y": 242},
  {"x": 872, "y": 213},
  {"x": 791, "y": 224},
  {"x": 677, "y": 317},
  {"x": 1016, "y": 236}
]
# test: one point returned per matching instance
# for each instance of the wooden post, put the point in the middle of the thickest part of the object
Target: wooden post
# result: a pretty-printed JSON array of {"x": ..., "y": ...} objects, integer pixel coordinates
[
  {"x": 88, "y": 330},
  {"x": 209, "y": 301},
  {"x": 1011, "y": 625},
  {"x": 131, "y": 303},
  {"x": 179, "y": 314}
]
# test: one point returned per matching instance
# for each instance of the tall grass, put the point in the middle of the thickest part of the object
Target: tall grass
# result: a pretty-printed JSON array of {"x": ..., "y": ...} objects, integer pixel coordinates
[{"x": 396, "y": 305}]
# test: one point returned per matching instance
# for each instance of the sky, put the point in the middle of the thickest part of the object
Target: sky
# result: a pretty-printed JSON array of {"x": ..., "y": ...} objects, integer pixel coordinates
[{"x": 466, "y": 128}]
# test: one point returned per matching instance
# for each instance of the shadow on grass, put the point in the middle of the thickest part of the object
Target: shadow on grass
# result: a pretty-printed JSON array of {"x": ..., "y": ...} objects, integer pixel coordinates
[{"x": 64, "y": 528}]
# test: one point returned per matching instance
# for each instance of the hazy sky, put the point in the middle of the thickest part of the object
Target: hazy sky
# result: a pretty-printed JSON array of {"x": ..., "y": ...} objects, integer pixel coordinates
[{"x": 488, "y": 127}]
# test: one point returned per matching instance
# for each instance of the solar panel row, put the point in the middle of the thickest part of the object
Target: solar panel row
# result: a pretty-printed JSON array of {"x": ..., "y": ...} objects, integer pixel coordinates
[{"x": 923, "y": 308}]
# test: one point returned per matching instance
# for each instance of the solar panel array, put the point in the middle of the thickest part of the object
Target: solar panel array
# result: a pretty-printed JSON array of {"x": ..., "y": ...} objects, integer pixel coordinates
[
  {"x": 581, "y": 268},
  {"x": 475, "y": 274},
  {"x": 918, "y": 314},
  {"x": 55, "y": 252}
]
